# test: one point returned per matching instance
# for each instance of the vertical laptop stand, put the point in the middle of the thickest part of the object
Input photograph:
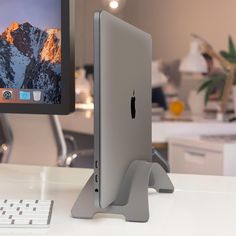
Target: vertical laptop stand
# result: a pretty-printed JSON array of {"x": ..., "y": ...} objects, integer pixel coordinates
[{"x": 132, "y": 200}]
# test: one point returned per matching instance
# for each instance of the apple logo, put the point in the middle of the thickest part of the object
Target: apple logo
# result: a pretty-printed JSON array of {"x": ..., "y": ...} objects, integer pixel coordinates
[{"x": 133, "y": 106}]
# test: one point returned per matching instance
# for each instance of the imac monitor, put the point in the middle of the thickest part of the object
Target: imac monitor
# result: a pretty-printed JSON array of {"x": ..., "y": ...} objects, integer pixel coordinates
[
  {"x": 123, "y": 56},
  {"x": 36, "y": 57}
]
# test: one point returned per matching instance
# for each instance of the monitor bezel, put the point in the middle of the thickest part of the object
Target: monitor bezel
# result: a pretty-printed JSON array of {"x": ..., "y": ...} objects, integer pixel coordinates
[{"x": 68, "y": 65}]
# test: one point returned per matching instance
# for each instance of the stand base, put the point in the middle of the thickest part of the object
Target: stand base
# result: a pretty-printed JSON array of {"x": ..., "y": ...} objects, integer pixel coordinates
[{"x": 132, "y": 200}]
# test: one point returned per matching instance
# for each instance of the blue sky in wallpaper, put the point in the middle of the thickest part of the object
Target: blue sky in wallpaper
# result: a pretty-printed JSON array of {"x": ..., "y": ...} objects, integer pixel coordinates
[{"x": 40, "y": 13}]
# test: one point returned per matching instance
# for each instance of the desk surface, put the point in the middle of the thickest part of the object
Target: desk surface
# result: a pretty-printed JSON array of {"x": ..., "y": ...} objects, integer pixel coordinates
[
  {"x": 82, "y": 121},
  {"x": 201, "y": 205}
]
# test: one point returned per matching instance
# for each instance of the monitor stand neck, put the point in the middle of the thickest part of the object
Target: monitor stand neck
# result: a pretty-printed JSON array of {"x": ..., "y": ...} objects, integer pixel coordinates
[{"x": 132, "y": 200}]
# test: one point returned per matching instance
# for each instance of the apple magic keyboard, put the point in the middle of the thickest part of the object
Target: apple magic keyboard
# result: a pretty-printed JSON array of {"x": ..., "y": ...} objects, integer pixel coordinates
[{"x": 25, "y": 213}]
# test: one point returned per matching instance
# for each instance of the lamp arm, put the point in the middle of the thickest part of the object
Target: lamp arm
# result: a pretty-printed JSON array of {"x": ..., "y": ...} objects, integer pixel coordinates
[
  {"x": 228, "y": 86},
  {"x": 210, "y": 51},
  {"x": 207, "y": 48},
  {"x": 230, "y": 67}
]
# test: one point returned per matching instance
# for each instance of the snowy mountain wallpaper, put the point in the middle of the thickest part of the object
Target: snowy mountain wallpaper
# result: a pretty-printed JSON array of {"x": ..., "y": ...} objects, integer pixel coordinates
[{"x": 30, "y": 47}]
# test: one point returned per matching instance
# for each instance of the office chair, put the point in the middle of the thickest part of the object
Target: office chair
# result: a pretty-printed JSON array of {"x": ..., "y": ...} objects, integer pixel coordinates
[
  {"x": 80, "y": 150},
  {"x": 33, "y": 139},
  {"x": 157, "y": 157},
  {"x": 5, "y": 139}
]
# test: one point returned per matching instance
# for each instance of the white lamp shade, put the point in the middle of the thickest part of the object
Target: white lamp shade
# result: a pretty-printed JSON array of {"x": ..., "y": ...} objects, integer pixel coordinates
[{"x": 194, "y": 62}]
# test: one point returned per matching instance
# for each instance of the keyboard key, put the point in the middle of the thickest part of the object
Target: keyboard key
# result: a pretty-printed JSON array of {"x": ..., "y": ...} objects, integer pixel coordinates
[
  {"x": 5, "y": 205},
  {"x": 29, "y": 201},
  {"x": 32, "y": 216},
  {"x": 21, "y": 222},
  {"x": 41, "y": 213},
  {"x": 42, "y": 208},
  {"x": 11, "y": 213},
  {"x": 39, "y": 222},
  {"x": 5, "y": 221},
  {"x": 44, "y": 203},
  {"x": 13, "y": 201},
  {"x": 9, "y": 209},
  {"x": 4, "y": 217},
  {"x": 26, "y": 209}
]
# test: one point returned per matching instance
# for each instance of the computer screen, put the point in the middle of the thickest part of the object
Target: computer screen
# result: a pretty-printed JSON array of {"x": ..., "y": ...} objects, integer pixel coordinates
[{"x": 36, "y": 61}]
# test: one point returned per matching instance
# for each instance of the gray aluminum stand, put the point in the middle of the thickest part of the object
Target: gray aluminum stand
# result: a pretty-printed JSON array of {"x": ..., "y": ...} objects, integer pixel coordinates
[{"x": 132, "y": 200}]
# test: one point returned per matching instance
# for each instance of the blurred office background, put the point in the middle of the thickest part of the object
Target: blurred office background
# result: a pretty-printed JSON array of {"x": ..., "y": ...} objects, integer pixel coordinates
[{"x": 190, "y": 135}]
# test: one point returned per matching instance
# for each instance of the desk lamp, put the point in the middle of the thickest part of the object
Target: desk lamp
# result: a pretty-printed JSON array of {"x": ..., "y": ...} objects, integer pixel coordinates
[{"x": 195, "y": 62}]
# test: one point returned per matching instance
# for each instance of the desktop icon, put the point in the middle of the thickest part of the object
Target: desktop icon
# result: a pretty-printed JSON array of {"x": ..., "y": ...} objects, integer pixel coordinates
[
  {"x": 7, "y": 95},
  {"x": 25, "y": 95},
  {"x": 37, "y": 96},
  {"x": 133, "y": 106}
]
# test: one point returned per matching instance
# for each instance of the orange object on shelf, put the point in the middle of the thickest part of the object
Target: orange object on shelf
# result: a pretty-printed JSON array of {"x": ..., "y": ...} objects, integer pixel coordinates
[{"x": 176, "y": 107}]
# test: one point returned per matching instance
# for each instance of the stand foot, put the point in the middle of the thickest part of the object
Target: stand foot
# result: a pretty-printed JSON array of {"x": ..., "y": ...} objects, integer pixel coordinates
[{"x": 132, "y": 200}]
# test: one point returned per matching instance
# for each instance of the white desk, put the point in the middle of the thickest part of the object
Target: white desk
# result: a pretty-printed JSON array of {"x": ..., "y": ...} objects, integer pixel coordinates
[
  {"x": 161, "y": 130},
  {"x": 209, "y": 155},
  {"x": 200, "y": 205}
]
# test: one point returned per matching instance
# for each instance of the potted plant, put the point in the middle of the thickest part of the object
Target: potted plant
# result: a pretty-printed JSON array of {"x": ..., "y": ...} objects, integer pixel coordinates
[{"x": 216, "y": 82}]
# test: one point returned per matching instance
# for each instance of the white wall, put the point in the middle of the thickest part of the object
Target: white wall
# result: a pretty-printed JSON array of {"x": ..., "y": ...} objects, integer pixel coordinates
[
  {"x": 79, "y": 32},
  {"x": 84, "y": 28},
  {"x": 169, "y": 21},
  {"x": 172, "y": 21}
]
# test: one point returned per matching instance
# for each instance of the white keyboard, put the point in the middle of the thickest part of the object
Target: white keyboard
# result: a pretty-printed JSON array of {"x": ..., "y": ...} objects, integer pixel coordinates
[{"x": 25, "y": 213}]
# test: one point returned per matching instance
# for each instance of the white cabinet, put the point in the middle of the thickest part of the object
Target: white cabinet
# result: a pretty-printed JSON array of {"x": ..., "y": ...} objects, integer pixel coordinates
[{"x": 214, "y": 155}]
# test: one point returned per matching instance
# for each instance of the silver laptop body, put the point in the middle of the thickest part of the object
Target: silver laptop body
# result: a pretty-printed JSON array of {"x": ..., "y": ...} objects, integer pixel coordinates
[{"x": 123, "y": 56}]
